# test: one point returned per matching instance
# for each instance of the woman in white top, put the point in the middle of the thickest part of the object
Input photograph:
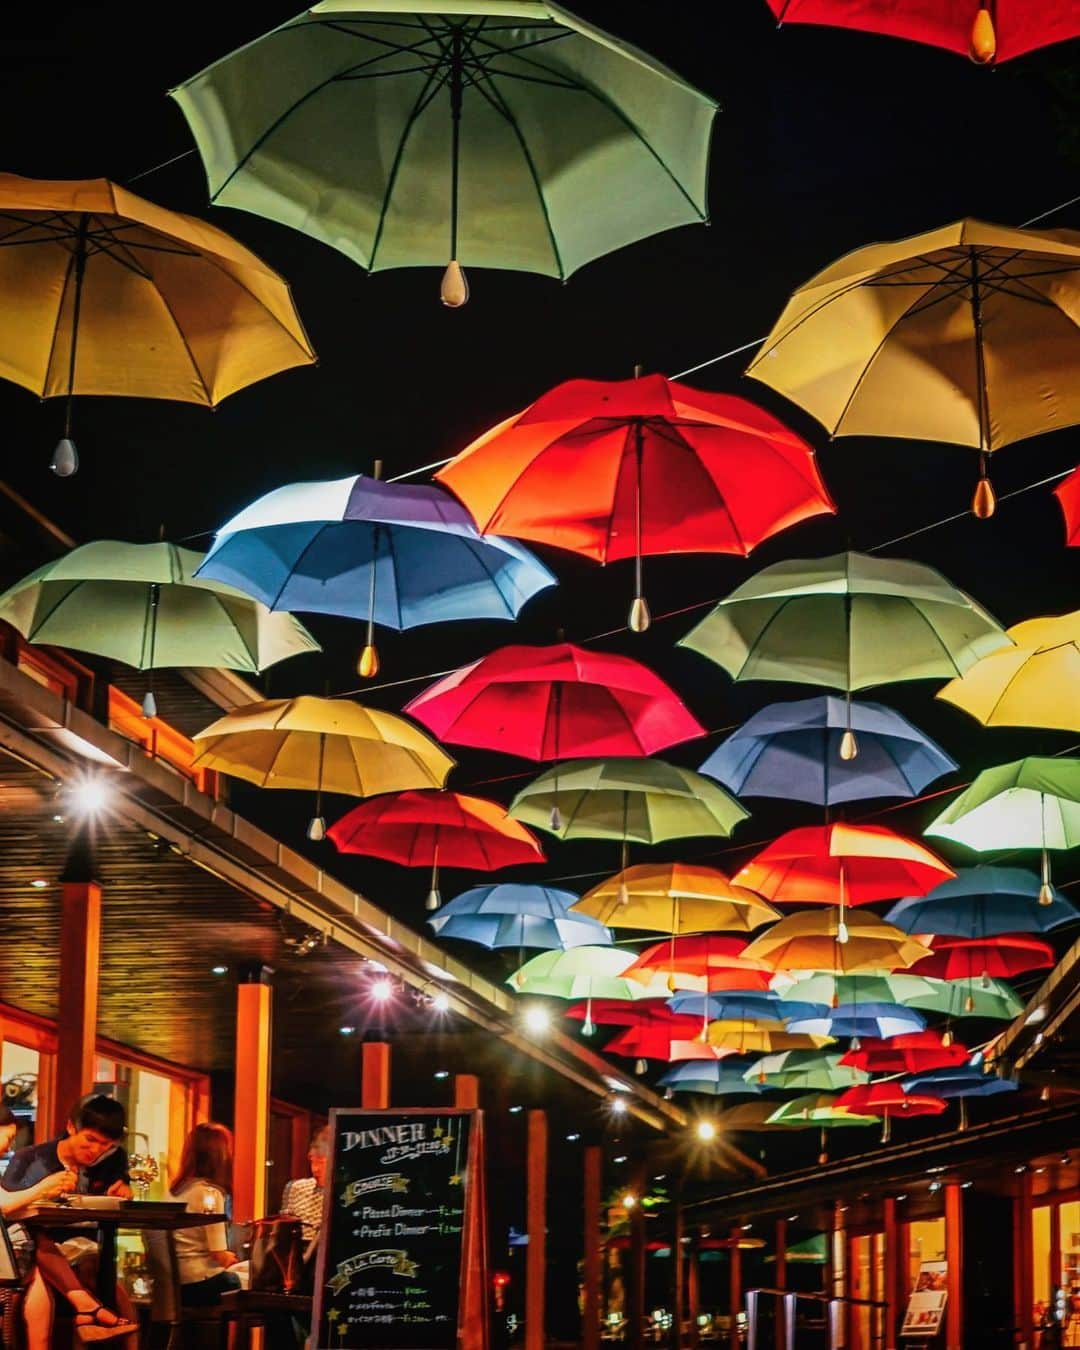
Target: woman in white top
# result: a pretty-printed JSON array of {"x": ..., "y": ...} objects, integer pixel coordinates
[{"x": 204, "y": 1182}]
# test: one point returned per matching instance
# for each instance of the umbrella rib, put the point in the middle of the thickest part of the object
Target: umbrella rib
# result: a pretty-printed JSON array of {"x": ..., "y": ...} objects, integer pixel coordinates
[
  {"x": 291, "y": 571},
  {"x": 937, "y": 637},
  {"x": 39, "y": 624},
  {"x": 476, "y": 547},
  {"x": 56, "y": 324},
  {"x": 765, "y": 628},
  {"x": 186, "y": 344},
  {"x": 680, "y": 442},
  {"x": 421, "y": 103},
  {"x": 253, "y": 657}
]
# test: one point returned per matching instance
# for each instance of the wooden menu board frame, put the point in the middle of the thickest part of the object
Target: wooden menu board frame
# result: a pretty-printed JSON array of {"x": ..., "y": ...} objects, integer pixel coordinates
[{"x": 409, "y": 1135}]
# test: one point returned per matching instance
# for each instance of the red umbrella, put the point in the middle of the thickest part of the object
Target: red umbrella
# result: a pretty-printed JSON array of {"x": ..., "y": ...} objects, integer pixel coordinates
[
  {"x": 888, "y": 1100},
  {"x": 707, "y": 964},
  {"x": 842, "y": 865},
  {"x": 656, "y": 467},
  {"x": 971, "y": 958},
  {"x": 617, "y": 1012},
  {"x": 558, "y": 702},
  {"x": 986, "y": 30},
  {"x": 910, "y": 1053},
  {"x": 652, "y": 1042},
  {"x": 433, "y": 829},
  {"x": 1068, "y": 494}
]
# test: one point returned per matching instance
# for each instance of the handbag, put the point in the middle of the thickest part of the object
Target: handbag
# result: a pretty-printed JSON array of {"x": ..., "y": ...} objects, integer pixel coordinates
[{"x": 277, "y": 1254}]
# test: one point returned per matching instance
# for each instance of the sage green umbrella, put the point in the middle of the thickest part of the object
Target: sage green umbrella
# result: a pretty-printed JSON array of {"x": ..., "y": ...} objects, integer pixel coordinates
[
  {"x": 834, "y": 991},
  {"x": 498, "y": 133},
  {"x": 1029, "y": 803},
  {"x": 979, "y": 997},
  {"x": 584, "y": 972},
  {"x": 818, "y": 1108},
  {"x": 644, "y": 800},
  {"x": 807, "y": 1069},
  {"x": 141, "y": 604}
]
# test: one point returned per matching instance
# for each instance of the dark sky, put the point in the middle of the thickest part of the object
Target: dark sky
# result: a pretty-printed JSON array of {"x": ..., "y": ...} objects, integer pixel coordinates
[{"x": 826, "y": 140}]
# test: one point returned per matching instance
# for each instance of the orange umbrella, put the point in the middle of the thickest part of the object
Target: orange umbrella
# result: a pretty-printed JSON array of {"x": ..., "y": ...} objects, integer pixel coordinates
[
  {"x": 707, "y": 964},
  {"x": 813, "y": 940}
]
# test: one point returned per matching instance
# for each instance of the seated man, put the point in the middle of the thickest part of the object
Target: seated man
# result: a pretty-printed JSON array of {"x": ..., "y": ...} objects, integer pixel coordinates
[{"x": 304, "y": 1196}]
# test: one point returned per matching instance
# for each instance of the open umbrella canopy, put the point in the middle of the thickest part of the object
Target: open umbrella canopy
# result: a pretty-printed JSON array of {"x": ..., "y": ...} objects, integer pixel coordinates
[
  {"x": 142, "y": 604},
  {"x": 678, "y": 898},
  {"x": 745, "y": 1005},
  {"x": 697, "y": 1049},
  {"x": 1029, "y": 803},
  {"x": 797, "y": 751},
  {"x": 818, "y": 1108},
  {"x": 982, "y": 902},
  {"x": 1068, "y": 494},
  {"x": 987, "y": 34},
  {"x": 841, "y": 864},
  {"x": 500, "y": 134},
  {"x": 752, "y": 1116},
  {"x": 966, "y": 998},
  {"x": 879, "y": 1020},
  {"x": 889, "y": 1099},
  {"x": 396, "y": 554},
  {"x": 806, "y": 1070},
  {"x": 906, "y": 1054},
  {"x": 703, "y": 963},
  {"x": 714, "y": 1079},
  {"x": 582, "y": 973},
  {"x": 514, "y": 915},
  {"x": 557, "y": 702},
  {"x": 1030, "y": 685},
  {"x": 961, "y": 1080},
  {"x": 974, "y": 958},
  {"x": 852, "y": 991},
  {"x": 645, "y": 800},
  {"x": 847, "y": 621},
  {"x": 810, "y": 940},
  {"x": 615, "y": 1012},
  {"x": 759, "y": 1037},
  {"x": 962, "y": 334},
  {"x": 653, "y": 1039}
]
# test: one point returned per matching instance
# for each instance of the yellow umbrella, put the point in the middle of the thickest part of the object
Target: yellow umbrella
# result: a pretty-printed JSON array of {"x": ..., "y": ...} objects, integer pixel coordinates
[
  {"x": 322, "y": 744},
  {"x": 675, "y": 898},
  {"x": 744, "y": 1037},
  {"x": 809, "y": 940},
  {"x": 102, "y": 292},
  {"x": 965, "y": 334},
  {"x": 1034, "y": 684}
]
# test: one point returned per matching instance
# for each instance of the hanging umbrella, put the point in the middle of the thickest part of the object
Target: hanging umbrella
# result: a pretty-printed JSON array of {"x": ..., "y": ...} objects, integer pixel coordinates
[
  {"x": 818, "y": 1108},
  {"x": 753, "y": 1116},
  {"x": 906, "y": 1054},
  {"x": 697, "y": 1049},
  {"x": 988, "y": 31},
  {"x": 881, "y": 1021},
  {"x": 715, "y": 1080},
  {"x": 704, "y": 963},
  {"x": 436, "y": 829},
  {"x": 644, "y": 800},
  {"x": 842, "y": 865},
  {"x": 890, "y": 1101},
  {"x": 489, "y": 135},
  {"x": 804, "y": 1070},
  {"x": 835, "y": 991},
  {"x": 1030, "y": 685},
  {"x": 759, "y": 1037},
  {"x": 617, "y": 1012},
  {"x": 1068, "y": 494},
  {"x": 107, "y": 293},
  {"x": 396, "y": 554},
  {"x": 980, "y": 958},
  {"x": 582, "y": 972},
  {"x": 558, "y": 702},
  {"x": 513, "y": 915},
  {"x": 658, "y": 467},
  {"x": 652, "y": 1041},
  {"x": 744, "y": 1004},
  {"x": 811, "y": 1251},
  {"x": 1030, "y": 803},
  {"x": 142, "y": 604},
  {"x": 963, "y": 334},
  {"x": 321, "y": 745},
  {"x": 987, "y": 998},
  {"x": 982, "y": 902},
  {"x": 958, "y": 1081},
  {"x": 803, "y": 752},
  {"x": 677, "y": 898},
  {"x": 810, "y": 940}
]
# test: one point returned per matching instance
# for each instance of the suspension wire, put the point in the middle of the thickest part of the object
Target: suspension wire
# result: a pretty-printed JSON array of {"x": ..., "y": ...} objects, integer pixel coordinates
[{"x": 145, "y": 173}]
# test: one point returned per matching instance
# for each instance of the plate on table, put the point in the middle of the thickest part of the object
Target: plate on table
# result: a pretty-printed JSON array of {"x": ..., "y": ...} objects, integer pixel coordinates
[
  {"x": 94, "y": 1201},
  {"x": 154, "y": 1206}
]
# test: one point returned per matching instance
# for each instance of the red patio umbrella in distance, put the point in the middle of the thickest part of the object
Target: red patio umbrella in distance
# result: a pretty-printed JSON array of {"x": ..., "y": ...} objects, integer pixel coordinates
[
  {"x": 989, "y": 31},
  {"x": 842, "y": 865},
  {"x": 708, "y": 964},
  {"x": 1068, "y": 494},
  {"x": 656, "y": 467},
  {"x": 554, "y": 703},
  {"x": 999, "y": 957},
  {"x": 651, "y": 1041},
  {"x": 888, "y": 1100},
  {"x": 910, "y": 1053},
  {"x": 617, "y": 1012},
  {"x": 436, "y": 829}
]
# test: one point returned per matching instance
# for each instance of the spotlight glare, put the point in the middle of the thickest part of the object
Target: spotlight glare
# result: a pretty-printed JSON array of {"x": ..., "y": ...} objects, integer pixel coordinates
[
  {"x": 629, "y": 1201},
  {"x": 515, "y": 1110},
  {"x": 537, "y": 1019},
  {"x": 618, "y": 1106},
  {"x": 440, "y": 1003},
  {"x": 705, "y": 1130},
  {"x": 572, "y": 1138},
  {"x": 89, "y": 796},
  {"x": 382, "y": 990}
]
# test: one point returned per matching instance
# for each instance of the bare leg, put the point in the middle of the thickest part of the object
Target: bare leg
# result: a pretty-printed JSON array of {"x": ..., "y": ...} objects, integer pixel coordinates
[
  {"x": 37, "y": 1311},
  {"x": 55, "y": 1270}
]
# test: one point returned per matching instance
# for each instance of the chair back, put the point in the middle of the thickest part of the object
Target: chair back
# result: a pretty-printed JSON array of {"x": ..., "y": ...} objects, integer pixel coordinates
[{"x": 164, "y": 1271}]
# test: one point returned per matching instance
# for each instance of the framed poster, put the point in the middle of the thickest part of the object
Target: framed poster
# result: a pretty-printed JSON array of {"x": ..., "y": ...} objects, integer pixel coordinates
[
  {"x": 926, "y": 1306},
  {"x": 400, "y": 1213}
]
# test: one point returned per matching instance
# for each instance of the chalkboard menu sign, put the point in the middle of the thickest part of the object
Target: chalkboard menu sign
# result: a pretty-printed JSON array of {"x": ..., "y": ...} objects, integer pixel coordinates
[{"x": 391, "y": 1266}]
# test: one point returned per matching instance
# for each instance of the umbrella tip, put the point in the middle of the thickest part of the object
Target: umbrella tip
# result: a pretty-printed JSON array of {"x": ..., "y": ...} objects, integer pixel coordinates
[
  {"x": 454, "y": 290},
  {"x": 849, "y": 746},
  {"x": 367, "y": 667},
  {"x": 316, "y": 829},
  {"x": 433, "y": 901},
  {"x": 1046, "y": 894},
  {"x": 640, "y": 618},
  {"x": 984, "y": 502},
  {"x": 149, "y": 704},
  {"x": 983, "y": 45},
  {"x": 65, "y": 458}
]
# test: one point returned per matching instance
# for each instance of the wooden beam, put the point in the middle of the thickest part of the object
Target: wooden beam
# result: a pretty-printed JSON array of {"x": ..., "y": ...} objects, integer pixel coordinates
[
  {"x": 375, "y": 1075},
  {"x": 891, "y": 1263},
  {"x": 592, "y": 1166},
  {"x": 251, "y": 1113},
  {"x": 954, "y": 1273},
  {"x": 536, "y": 1226},
  {"x": 467, "y": 1091},
  {"x": 735, "y": 1285},
  {"x": 80, "y": 951}
]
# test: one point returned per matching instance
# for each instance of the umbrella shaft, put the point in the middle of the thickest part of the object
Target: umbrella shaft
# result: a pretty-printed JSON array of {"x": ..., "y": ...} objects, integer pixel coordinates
[
  {"x": 455, "y": 135},
  {"x": 80, "y": 272}
]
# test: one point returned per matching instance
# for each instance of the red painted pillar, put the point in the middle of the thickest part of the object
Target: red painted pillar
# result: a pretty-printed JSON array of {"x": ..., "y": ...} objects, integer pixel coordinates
[
  {"x": 892, "y": 1269},
  {"x": 954, "y": 1276},
  {"x": 80, "y": 950},
  {"x": 375, "y": 1075},
  {"x": 251, "y": 1111},
  {"x": 781, "y": 1282},
  {"x": 593, "y": 1162},
  {"x": 467, "y": 1091},
  {"x": 536, "y": 1223},
  {"x": 735, "y": 1291}
]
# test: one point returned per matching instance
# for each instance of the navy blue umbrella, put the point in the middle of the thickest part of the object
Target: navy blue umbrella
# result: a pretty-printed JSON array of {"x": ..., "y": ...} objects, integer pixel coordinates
[
  {"x": 825, "y": 750},
  {"x": 982, "y": 902},
  {"x": 745, "y": 1006},
  {"x": 963, "y": 1081}
]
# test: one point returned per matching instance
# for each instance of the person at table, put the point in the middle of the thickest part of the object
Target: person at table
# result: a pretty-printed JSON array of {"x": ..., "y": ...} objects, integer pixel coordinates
[
  {"x": 43, "y": 1264},
  {"x": 203, "y": 1181},
  {"x": 303, "y": 1197},
  {"x": 90, "y": 1149}
]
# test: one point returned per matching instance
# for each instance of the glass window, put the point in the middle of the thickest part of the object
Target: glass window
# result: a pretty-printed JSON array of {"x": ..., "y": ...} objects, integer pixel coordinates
[
  {"x": 1070, "y": 1247},
  {"x": 21, "y": 1067},
  {"x": 1040, "y": 1259},
  {"x": 926, "y": 1242}
]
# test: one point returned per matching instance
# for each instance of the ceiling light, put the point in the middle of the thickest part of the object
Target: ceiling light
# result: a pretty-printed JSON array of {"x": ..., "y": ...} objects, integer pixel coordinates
[
  {"x": 618, "y": 1106},
  {"x": 935, "y": 1186},
  {"x": 440, "y": 1002},
  {"x": 629, "y": 1201},
  {"x": 705, "y": 1130},
  {"x": 572, "y": 1138},
  {"x": 537, "y": 1019},
  {"x": 516, "y": 1110},
  {"x": 39, "y": 883},
  {"x": 89, "y": 796},
  {"x": 441, "y": 1073},
  {"x": 218, "y": 970},
  {"x": 346, "y": 1031},
  {"x": 382, "y": 990},
  {"x": 620, "y": 1159},
  {"x": 791, "y": 1218},
  {"x": 1036, "y": 1015}
]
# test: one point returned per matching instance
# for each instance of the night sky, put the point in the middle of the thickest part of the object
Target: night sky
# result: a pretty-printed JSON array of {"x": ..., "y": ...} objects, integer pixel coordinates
[{"x": 826, "y": 140}]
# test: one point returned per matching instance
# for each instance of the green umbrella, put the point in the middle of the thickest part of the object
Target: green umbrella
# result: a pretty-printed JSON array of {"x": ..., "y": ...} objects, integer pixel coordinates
[
  {"x": 835, "y": 990},
  {"x": 499, "y": 133},
  {"x": 1030, "y": 803},
  {"x": 142, "y": 604},
  {"x": 645, "y": 800},
  {"x": 811, "y": 1251},
  {"x": 583, "y": 972},
  {"x": 806, "y": 1069},
  {"x": 985, "y": 997},
  {"x": 848, "y": 621},
  {"x": 817, "y": 1108}
]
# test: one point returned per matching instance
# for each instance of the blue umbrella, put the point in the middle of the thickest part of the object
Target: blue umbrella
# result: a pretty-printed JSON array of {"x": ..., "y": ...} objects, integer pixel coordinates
[
  {"x": 962, "y": 1081},
  {"x": 718, "y": 1078},
  {"x": 880, "y": 1020},
  {"x": 795, "y": 751},
  {"x": 512, "y": 915},
  {"x": 982, "y": 902},
  {"x": 746, "y": 1007},
  {"x": 397, "y": 554}
]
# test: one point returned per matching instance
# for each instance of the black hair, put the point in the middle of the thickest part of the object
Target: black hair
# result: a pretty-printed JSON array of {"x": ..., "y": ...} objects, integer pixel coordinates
[{"x": 103, "y": 1114}]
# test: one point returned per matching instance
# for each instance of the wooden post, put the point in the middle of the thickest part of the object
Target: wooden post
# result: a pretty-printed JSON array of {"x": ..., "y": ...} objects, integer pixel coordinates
[
  {"x": 954, "y": 1274},
  {"x": 251, "y": 1113},
  {"x": 536, "y": 1223},
  {"x": 467, "y": 1091},
  {"x": 678, "y": 1270},
  {"x": 593, "y": 1164},
  {"x": 891, "y": 1263},
  {"x": 781, "y": 1282},
  {"x": 693, "y": 1293},
  {"x": 636, "y": 1304},
  {"x": 80, "y": 950},
  {"x": 375, "y": 1075},
  {"x": 735, "y": 1290}
]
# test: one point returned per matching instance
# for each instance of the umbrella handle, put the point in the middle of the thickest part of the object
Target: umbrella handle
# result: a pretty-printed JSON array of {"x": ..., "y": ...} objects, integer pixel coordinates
[
  {"x": 984, "y": 502},
  {"x": 640, "y": 618},
  {"x": 79, "y": 266},
  {"x": 454, "y": 288}
]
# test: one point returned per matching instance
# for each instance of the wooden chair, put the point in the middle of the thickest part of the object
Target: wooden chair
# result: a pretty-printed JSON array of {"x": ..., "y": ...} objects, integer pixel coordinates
[{"x": 186, "y": 1326}]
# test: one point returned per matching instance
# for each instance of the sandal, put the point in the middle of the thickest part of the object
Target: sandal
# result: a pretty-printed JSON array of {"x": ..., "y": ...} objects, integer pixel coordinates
[{"x": 89, "y": 1325}]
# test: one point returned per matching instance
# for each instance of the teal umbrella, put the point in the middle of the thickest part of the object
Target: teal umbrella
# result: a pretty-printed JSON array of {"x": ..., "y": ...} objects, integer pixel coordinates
[{"x": 498, "y": 133}]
